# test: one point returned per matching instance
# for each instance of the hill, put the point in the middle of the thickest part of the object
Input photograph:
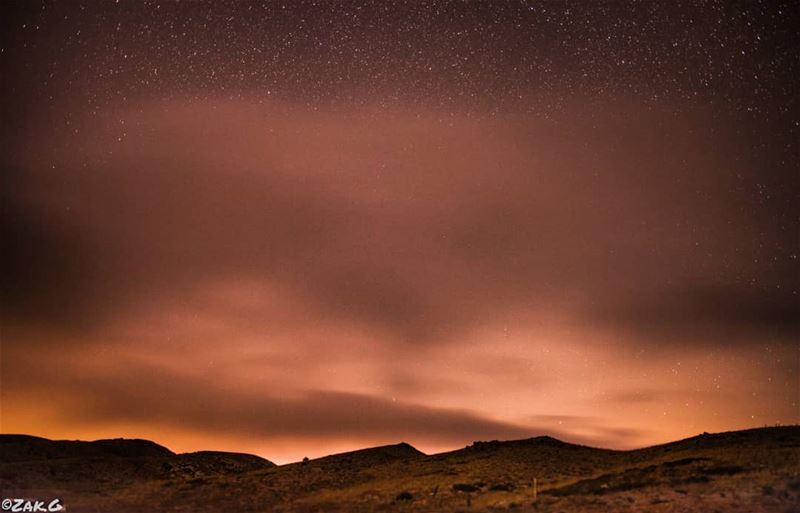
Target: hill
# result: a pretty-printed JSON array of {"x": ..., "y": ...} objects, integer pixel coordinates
[
  {"x": 32, "y": 448},
  {"x": 87, "y": 471},
  {"x": 744, "y": 471}
]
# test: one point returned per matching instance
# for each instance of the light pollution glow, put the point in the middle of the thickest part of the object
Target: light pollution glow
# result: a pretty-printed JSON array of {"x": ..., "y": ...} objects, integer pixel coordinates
[{"x": 299, "y": 228}]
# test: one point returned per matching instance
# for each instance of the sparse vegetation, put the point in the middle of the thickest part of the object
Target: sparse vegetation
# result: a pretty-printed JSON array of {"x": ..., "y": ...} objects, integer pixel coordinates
[
  {"x": 404, "y": 496},
  {"x": 743, "y": 472}
]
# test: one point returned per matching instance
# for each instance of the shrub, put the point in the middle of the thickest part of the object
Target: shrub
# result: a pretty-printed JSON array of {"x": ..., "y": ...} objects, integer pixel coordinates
[{"x": 404, "y": 496}]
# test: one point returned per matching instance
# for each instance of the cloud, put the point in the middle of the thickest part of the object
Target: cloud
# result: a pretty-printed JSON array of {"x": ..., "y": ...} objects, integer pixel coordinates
[
  {"x": 137, "y": 394},
  {"x": 478, "y": 268},
  {"x": 147, "y": 394},
  {"x": 46, "y": 259},
  {"x": 719, "y": 314},
  {"x": 415, "y": 228}
]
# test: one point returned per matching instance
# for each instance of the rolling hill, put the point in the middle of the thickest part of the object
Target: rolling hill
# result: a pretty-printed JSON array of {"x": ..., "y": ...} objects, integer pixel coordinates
[{"x": 756, "y": 470}]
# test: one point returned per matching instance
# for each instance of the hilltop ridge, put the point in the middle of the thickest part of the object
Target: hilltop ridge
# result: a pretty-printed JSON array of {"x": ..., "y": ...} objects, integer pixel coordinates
[{"x": 373, "y": 455}]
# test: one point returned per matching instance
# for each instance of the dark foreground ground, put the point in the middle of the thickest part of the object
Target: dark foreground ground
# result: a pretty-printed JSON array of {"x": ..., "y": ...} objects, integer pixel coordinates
[{"x": 744, "y": 471}]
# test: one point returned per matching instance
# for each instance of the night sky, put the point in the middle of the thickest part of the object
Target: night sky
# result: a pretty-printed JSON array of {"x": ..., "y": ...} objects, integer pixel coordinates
[{"x": 296, "y": 228}]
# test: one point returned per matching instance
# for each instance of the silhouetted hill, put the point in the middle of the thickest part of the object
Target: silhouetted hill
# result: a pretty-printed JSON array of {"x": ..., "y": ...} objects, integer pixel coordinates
[
  {"x": 29, "y": 448},
  {"x": 747, "y": 471},
  {"x": 35, "y": 463},
  {"x": 371, "y": 456},
  {"x": 778, "y": 435}
]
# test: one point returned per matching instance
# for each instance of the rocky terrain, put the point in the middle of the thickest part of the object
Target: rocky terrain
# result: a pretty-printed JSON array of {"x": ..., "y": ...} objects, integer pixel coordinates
[{"x": 749, "y": 471}]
